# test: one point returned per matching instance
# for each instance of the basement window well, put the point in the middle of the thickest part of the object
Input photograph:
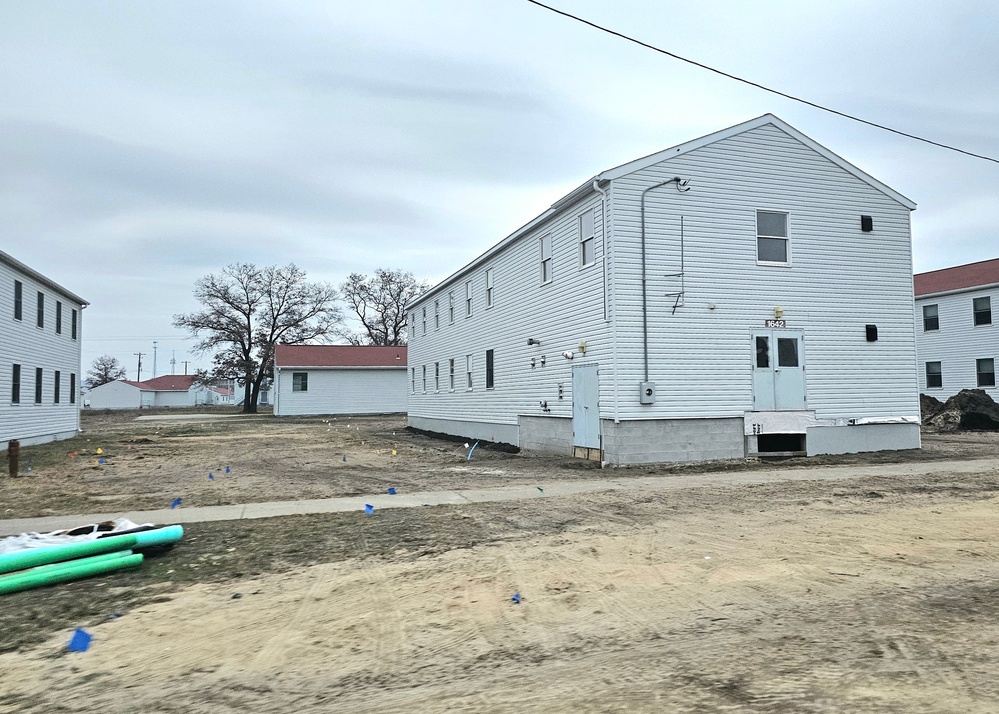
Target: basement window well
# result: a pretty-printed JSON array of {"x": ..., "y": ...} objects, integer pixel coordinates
[{"x": 780, "y": 444}]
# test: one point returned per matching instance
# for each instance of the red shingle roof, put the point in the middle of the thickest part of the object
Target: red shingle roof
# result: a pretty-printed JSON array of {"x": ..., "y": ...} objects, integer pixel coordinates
[
  {"x": 339, "y": 356},
  {"x": 985, "y": 272},
  {"x": 169, "y": 383}
]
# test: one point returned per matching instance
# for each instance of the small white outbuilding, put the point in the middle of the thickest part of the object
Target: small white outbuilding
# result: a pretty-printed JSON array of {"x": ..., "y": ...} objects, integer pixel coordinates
[
  {"x": 168, "y": 390},
  {"x": 339, "y": 379}
]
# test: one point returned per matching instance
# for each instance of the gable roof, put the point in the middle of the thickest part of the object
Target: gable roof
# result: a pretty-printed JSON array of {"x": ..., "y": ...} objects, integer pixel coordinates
[
  {"x": 339, "y": 356},
  {"x": 959, "y": 277},
  {"x": 167, "y": 383},
  {"x": 590, "y": 185}
]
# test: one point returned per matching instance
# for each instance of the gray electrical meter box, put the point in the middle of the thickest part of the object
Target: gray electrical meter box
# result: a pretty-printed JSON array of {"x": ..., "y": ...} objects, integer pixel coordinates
[{"x": 647, "y": 392}]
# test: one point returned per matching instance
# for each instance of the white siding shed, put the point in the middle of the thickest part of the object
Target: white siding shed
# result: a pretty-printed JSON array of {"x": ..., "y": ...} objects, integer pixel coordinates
[{"x": 335, "y": 379}]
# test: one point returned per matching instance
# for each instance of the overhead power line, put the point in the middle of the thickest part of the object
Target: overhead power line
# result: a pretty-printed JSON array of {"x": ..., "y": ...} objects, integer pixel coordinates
[{"x": 760, "y": 86}]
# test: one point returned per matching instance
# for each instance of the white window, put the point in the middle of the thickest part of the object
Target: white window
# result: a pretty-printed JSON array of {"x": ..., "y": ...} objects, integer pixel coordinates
[
  {"x": 546, "y": 258},
  {"x": 450, "y": 308},
  {"x": 489, "y": 288},
  {"x": 450, "y": 381},
  {"x": 931, "y": 318},
  {"x": 986, "y": 371},
  {"x": 437, "y": 377},
  {"x": 771, "y": 237},
  {"x": 437, "y": 314},
  {"x": 299, "y": 381},
  {"x": 424, "y": 379},
  {"x": 982, "y": 308},
  {"x": 587, "y": 243},
  {"x": 424, "y": 321},
  {"x": 468, "y": 299},
  {"x": 934, "y": 375},
  {"x": 468, "y": 372}
]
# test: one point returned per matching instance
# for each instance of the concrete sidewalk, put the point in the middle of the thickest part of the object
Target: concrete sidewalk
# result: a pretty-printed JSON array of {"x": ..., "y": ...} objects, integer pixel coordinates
[{"x": 552, "y": 489}]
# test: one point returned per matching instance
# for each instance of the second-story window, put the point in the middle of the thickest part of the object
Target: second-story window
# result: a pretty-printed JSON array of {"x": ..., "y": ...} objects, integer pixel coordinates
[
  {"x": 983, "y": 310},
  {"x": 468, "y": 299},
  {"x": 489, "y": 288},
  {"x": 58, "y": 317},
  {"x": 41, "y": 309},
  {"x": 587, "y": 243},
  {"x": 771, "y": 237},
  {"x": 18, "y": 299},
  {"x": 931, "y": 318},
  {"x": 546, "y": 258},
  {"x": 450, "y": 308}
]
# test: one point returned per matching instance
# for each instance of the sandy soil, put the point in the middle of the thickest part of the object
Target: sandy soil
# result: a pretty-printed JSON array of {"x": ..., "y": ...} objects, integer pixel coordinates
[{"x": 872, "y": 595}]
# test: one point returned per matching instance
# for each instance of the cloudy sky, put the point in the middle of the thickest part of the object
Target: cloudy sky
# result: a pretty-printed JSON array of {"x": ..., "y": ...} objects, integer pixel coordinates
[{"x": 145, "y": 144}]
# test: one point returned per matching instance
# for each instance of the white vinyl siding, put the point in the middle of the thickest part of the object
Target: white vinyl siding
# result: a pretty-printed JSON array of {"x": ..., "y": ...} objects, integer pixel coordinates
[
  {"x": 346, "y": 390},
  {"x": 31, "y": 347},
  {"x": 958, "y": 343}
]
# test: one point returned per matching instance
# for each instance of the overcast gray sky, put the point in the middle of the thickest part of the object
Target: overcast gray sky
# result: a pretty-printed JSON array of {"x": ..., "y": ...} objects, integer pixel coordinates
[{"x": 145, "y": 144}]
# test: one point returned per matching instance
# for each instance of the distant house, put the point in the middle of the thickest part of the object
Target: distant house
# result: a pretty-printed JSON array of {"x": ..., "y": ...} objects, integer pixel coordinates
[
  {"x": 743, "y": 293},
  {"x": 957, "y": 339},
  {"x": 330, "y": 379},
  {"x": 169, "y": 390},
  {"x": 40, "y": 334}
]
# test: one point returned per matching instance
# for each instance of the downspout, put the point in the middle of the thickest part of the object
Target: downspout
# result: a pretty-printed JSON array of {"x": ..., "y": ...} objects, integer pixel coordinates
[
  {"x": 608, "y": 276},
  {"x": 645, "y": 294}
]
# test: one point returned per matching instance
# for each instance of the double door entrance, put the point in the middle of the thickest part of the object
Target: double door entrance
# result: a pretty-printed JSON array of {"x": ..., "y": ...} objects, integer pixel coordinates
[{"x": 778, "y": 370}]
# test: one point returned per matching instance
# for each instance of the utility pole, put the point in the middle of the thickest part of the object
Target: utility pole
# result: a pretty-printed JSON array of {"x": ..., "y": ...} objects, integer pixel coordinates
[
  {"x": 154, "y": 359},
  {"x": 185, "y": 366},
  {"x": 138, "y": 371},
  {"x": 173, "y": 362}
]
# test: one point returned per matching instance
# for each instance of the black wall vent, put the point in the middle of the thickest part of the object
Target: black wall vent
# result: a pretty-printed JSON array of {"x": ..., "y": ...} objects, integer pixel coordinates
[
  {"x": 872, "y": 333},
  {"x": 866, "y": 224}
]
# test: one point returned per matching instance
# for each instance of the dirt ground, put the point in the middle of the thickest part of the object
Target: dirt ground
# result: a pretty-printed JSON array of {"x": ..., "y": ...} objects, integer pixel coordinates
[{"x": 865, "y": 595}]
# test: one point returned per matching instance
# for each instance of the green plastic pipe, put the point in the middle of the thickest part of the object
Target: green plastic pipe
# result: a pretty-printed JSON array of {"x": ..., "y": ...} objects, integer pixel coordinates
[
  {"x": 9, "y": 562},
  {"x": 68, "y": 571},
  {"x": 69, "y": 564}
]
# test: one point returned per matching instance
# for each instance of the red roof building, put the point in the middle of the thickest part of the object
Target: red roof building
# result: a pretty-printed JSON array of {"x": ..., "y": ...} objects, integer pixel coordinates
[
  {"x": 960, "y": 277},
  {"x": 339, "y": 356}
]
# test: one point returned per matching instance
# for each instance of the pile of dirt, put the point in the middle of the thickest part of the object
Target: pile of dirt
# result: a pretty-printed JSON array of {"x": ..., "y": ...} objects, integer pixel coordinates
[
  {"x": 928, "y": 406},
  {"x": 968, "y": 410}
]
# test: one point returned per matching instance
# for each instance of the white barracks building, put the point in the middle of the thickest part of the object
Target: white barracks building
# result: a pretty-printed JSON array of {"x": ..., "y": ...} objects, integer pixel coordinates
[{"x": 746, "y": 292}]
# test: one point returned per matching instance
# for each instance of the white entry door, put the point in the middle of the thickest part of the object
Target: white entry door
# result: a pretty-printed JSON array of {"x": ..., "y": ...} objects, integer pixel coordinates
[
  {"x": 585, "y": 406},
  {"x": 778, "y": 370}
]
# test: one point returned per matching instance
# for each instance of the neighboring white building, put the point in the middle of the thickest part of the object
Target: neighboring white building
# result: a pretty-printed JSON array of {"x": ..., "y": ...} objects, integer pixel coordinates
[
  {"x": 333, "y": 379},
  {"x": 169, "y": 390},
  {"x": 40, "y": 336},
  {"x": 956, "y": 337},
  {"x": 749, "y": 291}
]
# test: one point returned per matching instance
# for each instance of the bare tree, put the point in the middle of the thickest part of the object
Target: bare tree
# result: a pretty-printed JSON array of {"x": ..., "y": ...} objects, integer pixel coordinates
[
  {"x": 247, "y": 311},
  {"x": 380, "y": 305},
  {"x": 104, "y": 369}
]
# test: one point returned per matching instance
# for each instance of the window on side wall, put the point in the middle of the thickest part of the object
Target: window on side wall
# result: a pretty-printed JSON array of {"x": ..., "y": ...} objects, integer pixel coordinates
[
  {"x": 468, "y": 373},
  {"x": 15, "y": 384},
  {"x": 55, "y": 387},
  {"x": 412, "y": 380},
  {"x": 38, "y": 384},
  {"x": 424, "y": 320},
  {"x": 18, "y": 299},
  {"x": 58, "y": 317},
  {"x": 771, "y": 238},
  {"x": 424, "y": 379},
  {"x": 437, "y": 377},
  {"x": 468, "y": 299},
  {"x": 72, "y": 387},
  {"x": 489, "y": 369},
  {"x": 437, "y": 315},
  {"x": 931, "y": 318},
  {"x": 450, "y": 308},
  {"x": 450, "y": 379},
  {"x": 489, "y": 288},
  {"x": 986, "y": 370},
  {"x": 73, "y": 325},
  {"x": 934, "y": 375},
  {"x": 546, "y": 258},
  {"x": 587, "y": 243},
  {"x": 41, "y": 309},
  {"x": 299, "y": 381},
  {"x": 983, "y": 310}
]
